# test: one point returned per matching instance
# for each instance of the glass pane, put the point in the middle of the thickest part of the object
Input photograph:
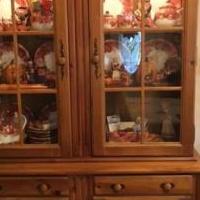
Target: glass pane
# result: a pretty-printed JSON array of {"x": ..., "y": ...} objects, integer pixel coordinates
[
  {"x": 163, "y": 59},
  {"x": 38, "y": 69},
  {"x": 163, "y": 116},
  {"x": 34, "y": 15},
  {"x": 122, "y": 13},
  {"x": 165, "y": 13},
  {"x": 6, "y": 23},
  {"x": 9, "y": 120},
  {"x": 8, "y": 70},
  {"x": 123, "y": 117},
  {"x": 42, "y": 126},
  {"x": 122, "y": 59}
]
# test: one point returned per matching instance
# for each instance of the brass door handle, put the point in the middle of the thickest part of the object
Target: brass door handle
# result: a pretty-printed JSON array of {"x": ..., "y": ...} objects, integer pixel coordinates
[
  {"x": 44, "y": 188},
  {"x": 61, "y": 60},
  {"x": 117, "y": 187},
  {"x": 167, "y": 187},
  {"x": 96, "y": 59}
]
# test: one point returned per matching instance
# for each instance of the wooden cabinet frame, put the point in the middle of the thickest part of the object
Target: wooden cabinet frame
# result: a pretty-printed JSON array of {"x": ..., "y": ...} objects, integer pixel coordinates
[{"x": 182, "y": 148}]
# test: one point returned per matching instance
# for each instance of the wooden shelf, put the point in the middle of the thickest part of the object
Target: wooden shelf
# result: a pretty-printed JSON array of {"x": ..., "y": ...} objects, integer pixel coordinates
[
  {"x": 35, "y": 33},
  {"x": 27, "y": 33},
  {"x": 147, "y": 30},
  {"x": 38, "y": 91},
  {"x": 26, "y": 89},
  {"x": 164, "y": 29},
  {"x": 163, "y": 88},
  {"x": 122, "y": 30},
  {"x": 138, "y": 89},
  {"x": 6, "y": 33},
  {"x": 123, "y": 89}
]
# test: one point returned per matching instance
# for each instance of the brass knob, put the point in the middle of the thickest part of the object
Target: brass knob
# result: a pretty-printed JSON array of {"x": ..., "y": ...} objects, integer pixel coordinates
[
  {"x": 117, "y": 187},
  {"x": 61, "y": 60},
  {"x": 167, "y": 187},
  {"x": 43, "y": 188},
  {"x": 95, "y": 59}
]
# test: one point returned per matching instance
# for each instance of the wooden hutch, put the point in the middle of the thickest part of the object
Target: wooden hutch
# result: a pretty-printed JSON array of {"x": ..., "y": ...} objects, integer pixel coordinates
[{"x": 97, "y": 100}]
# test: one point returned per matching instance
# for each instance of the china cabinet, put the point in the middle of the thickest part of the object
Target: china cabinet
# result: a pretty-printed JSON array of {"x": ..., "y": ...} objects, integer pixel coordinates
[
  {"x": 33, "y": 80},
  {"x": 96, "y": 100}
]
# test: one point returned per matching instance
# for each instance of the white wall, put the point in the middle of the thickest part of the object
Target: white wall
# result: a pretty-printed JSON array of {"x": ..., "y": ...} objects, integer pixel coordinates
[{"x": 197, "y": 101}]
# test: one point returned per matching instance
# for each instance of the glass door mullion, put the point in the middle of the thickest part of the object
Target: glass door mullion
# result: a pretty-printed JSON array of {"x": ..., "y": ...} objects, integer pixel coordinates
[
  {"x": 16, "y": 62},
  {"x": 142, "y": 70}
]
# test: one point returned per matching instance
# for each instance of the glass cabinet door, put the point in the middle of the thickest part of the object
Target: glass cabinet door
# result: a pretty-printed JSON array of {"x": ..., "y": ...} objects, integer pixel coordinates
[
  {"x": 142, "y": 77},
  {"x": 33, "y": 75}
]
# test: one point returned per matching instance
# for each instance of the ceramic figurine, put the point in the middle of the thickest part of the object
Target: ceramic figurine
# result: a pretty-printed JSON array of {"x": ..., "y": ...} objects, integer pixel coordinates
[
  {"x": 147, "y": 13},
  {"x": 23, "y": 15},
  {"x": 147, "y": 9},
  {"x": 167, "y": 130}
]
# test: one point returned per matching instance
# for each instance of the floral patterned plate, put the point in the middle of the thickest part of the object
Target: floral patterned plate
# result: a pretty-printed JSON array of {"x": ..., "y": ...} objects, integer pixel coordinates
[{"x": 161, "y": 56}]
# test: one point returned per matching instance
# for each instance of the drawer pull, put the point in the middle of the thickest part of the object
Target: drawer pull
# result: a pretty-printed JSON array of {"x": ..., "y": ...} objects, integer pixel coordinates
[
  {"x": 117, "y": 187},
  {"x": 43, "y": 188},
  {"x": 167, "y": 187}
]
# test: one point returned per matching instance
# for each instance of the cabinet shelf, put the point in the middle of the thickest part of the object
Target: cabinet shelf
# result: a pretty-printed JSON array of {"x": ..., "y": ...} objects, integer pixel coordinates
[
  {"x": 163, "y": 88},
  {"x": 6, "y": 33},
  {"x": 27, "y": 33},
  {"x": 123, "y": 89},
  {"x": 28, "y": 146},
  {"x": 138, "y": 89},
  {"x": 35, "y": 33},
  {"x": 122, "y": 30},
  {"x": 147, "y": 30},
  {"x": 26, "y": 89},
  {"x": 164, "y": 29}
]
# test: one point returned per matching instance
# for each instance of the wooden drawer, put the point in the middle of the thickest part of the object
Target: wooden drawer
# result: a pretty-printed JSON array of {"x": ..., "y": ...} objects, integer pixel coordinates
[
  {"x": 34, "y": 198},
  {"x": 145, "y": 198},
  {"x": 144, "y": 185},
  {"x": 34, "y": 186}
]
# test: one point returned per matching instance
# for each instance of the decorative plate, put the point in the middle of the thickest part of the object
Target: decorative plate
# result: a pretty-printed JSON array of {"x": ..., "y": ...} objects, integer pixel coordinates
[
  {"x": 160, "y": 50},
  {"x": 7, "y": 62},
  {"x": 160, "y": 54},
  {"x": 167, "y": 12},
  {"x": 7, "y": 54},
  {"x": 44, "y": 56}
]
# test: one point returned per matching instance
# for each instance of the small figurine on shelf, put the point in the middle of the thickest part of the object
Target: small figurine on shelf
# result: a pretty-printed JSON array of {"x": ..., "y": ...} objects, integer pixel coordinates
[
  {"x": 116, "y": 73},
  {"x": 147, "y": 14},
  {"x": 137, "y": 128},
  {"x": 126, "y": 79},
  {"x": 23, "y": 15},
  {"x": 167, "y": 130},
  {"x": 172, "y": 71}
]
